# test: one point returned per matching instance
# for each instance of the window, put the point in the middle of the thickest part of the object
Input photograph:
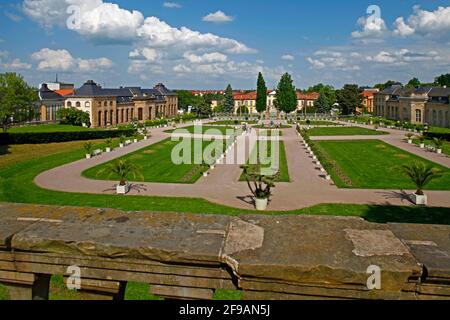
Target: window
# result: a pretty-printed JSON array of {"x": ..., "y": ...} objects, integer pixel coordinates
[
  {"x": 69, "y": 104},
  {"x": 78, "y": 104},
  {"x": 418, "y": 115},
  {"x": 87, "y": 104},
  {"x": 106, "y": 103}
]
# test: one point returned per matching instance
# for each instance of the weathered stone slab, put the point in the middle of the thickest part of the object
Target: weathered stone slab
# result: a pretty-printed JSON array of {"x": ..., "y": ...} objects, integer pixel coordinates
[
  {"x": 172, "y": 292},
  {"x": 316, "y": 250}
]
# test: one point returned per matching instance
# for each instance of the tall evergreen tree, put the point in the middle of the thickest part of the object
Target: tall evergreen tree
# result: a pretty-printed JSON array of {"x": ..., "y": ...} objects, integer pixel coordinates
[
  {"x": 286, "y": 96},
  {"x": 228, "y": 104},
  {"x": 261, "y": 94},
  {"x": 350, "y": 98},
  {"x": 321, "y": 104}
]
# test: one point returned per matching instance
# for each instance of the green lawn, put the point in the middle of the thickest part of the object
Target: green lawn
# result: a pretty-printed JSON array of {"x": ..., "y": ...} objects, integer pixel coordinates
[
  {"x": 157, "y": 165},
  {"x": 343, "y": 131},
  {"x": 439, "y": 130},
  {"x": 231, "y": 122},
  {"x": 372, "y": 164},
  {"x": 319, "y": 123},
  {"x": 283, "y": 173},
  {"x": 211, "y": 130},
  {"x": 445, "y": 146},
  {"x": 48, "y": 128}
]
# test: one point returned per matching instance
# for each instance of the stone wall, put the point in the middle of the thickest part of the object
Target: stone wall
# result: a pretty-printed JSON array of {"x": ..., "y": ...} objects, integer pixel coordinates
[{"x": 186, "y": 256}]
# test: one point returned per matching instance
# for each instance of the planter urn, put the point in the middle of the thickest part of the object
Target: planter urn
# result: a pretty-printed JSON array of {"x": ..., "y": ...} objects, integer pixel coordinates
[
  {"x": 205, "y": 174},
  {"x": 328, "y": 177},
  {"x": 88, "y": 156},
  {"x": 145, "y": 137},
  {"x": 261, "y": 204},
  {"x": 135, "y": 140},
  {"x": 108, "y": 149},
  {"x": 122, "y": 189},
  {"x": 121, "y": 145},
  {"x": 439, "y": 151},
  {"x": 422, "y": 145},
  {"x": 409, "y": 141},
  {"x": 420, "y": 200}
]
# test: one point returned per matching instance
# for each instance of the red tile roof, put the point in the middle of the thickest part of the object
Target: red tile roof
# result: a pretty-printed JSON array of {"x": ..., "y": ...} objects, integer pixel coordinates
[
  {"x": 65, "y": 92},
  {"x": 308, "y": 96},
  {"x": 245, "y": 96}
]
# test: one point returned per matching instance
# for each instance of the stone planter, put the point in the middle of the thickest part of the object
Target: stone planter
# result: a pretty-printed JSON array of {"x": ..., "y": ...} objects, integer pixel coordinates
[
  {"x": 108, "y": 149},
  {"x": 420, "y": 200},
  {"x": 322, "y": 170},
  {"x": 145, "y": 138},
  {"x": 88, "y": 156},
  {"x": 135, "y": 140},
  {"x": 212, "y": 167},
  {"x": 439, "y": 151},
  {"x": 422, "y": 145},
  {"x": 328, "y": 177},
  {"x": 121, "y": 145},
  {"x": 205, "y": 174},
  {"x": 261, "y": 204},
  {"x": 410, "y": 141},
  {"x": 122, "y": 189}
]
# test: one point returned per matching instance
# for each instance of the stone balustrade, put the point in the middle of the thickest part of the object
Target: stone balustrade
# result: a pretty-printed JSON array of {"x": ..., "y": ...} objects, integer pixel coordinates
[{"x": 187, "y": 256}]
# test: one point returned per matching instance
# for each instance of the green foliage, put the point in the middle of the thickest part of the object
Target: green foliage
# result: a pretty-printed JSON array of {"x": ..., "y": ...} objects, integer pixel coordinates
[
  {"x": 286, "y": 96},
  {"x": 228, "y": 104},
  {"x": 259, "y": 185},
  {"x": 109, "y": 142},
  {"x": 349, "y": 98},
  {"x": 18, "y": 101},
  {"x": 261, "y": 94},
  {"x": 387, "y": 84},
  {"x": 321, "y": 104},
  {"x": 204, "y": 110},
  {"x": 187, "y": 98},
  {"x": 74, "y": 117},
  {"x": 438, "y": 143},
  {"x": 443, "y": 80},
  {"x": 88, "y": 147},
  {"x": 123, "y": 169},
  {"x": 414, "y": 83},
  {"x": 327, "y": 92},
  {"x": 50, "y": 137},
  {"x": 421, "y": 175}
]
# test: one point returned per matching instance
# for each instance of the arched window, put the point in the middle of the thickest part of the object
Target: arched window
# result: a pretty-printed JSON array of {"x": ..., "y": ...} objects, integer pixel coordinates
[
  {"x": 418, "y": 115},
  {"x": 69, "y": 104},
  {"x": 87, "y": 104},
  {"x": 78, "y": 104},
  {"x": 106, "y": 103}
]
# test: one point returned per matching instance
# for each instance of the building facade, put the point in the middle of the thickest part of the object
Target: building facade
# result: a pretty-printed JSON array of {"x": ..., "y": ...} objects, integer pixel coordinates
[
  {"x": 368, "y": 100},
  {"x": 50, "y": 104},
  {"x": 111, "y": 107},
  {"x": 419, "y": 106}
]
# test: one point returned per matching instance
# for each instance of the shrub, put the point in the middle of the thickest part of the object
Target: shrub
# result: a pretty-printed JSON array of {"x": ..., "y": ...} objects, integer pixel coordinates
[{"x": 50, "y": 137}]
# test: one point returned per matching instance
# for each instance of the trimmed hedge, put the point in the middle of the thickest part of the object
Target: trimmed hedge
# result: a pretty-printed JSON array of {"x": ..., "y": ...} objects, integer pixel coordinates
[
  {"x": 49, "y": 137},
  {"x": 431, "y": 135}
]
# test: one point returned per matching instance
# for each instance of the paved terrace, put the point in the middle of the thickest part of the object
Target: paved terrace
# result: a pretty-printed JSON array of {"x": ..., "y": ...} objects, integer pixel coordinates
[
  {"x": 308, "y": 186},
  {"x": 191, "y": 256}
]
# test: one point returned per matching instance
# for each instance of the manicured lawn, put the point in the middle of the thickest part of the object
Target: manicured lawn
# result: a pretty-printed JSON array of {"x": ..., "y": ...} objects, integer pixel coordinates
[
  {"x": 439, "y": 130},
  {"x": 373, "y": 164},
  {"x": 283, "y": 172},
  {"x": 49, "y": 128},
  {"x": 157, "y": 165},
  {"x": 211, "y": 130},
  {"x": 343, "y": 131},
  {"x": 231, "y": 122},
  {"x": 318, "y": 123}
]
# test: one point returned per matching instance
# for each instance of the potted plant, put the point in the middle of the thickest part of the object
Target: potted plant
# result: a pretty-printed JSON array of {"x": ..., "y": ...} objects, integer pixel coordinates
[
  {"x": 122, "y": 140},
  {"x": 135, "y": 137},
  {"x": 108, "y": 143},
  {"x": 145, "y": 133},
  {"x": 438, "y": 143},
  {"x": 122, "y": 169},
  {"x": 259, "y": 185},
  {"x": 88, "y": 147},
  {"x": 421, "y": 175},
  {"x": 409, "y": 136},
  {"x": 421, "y": 140}
]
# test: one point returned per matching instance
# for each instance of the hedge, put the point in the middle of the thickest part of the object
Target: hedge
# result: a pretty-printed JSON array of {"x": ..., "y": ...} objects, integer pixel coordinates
[
  {"x": 439, "y": 135},
  {"x": 49, "y": 137}
]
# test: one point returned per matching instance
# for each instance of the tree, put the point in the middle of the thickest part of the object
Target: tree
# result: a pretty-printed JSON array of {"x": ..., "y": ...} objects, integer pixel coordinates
[
  {"x": 321, "y": 104},
  {"x": 286, "y": 96},
  {"x": 187, "y": 99},
  {"x": 204, "y": 110},
  {"x": 228, "y": 104},
  {"x": 443, "y": 80},
  {"x": 421, "y": 175},
  {"x": 414, "y": 83},
  {"x": 122, "y": 169},
  {"x": 327, "y": 91},
  {"x": 350, "y": 98},
  {"x": 387, "y": 84},
  {"x": 18, "y": 101},
  {"x": 74, "y": 117},
  {"x": 261, "y": 94}
]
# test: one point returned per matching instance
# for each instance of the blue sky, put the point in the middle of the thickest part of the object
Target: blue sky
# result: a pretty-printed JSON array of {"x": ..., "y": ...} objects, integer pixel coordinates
[{"x": 196, "y": 44}]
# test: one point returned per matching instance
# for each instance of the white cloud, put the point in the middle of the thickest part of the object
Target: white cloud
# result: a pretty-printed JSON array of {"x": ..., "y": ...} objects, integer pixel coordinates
[
  {"x": 217, "y": 17},
  {"x": 404, "y": 56},
  {"x": 12, "y": 65},
  {"x": 14, "y": 17},
  {"x": 206, "y": 58},
  {"x": 333, "y": 60},
  {"x": 372, "y": 29},
  {"x": 288, "y": 57},
  {"x": 172, "y": 5},
  {"x": 62, "y": 60},
  {"x": 426, "y": 23}
]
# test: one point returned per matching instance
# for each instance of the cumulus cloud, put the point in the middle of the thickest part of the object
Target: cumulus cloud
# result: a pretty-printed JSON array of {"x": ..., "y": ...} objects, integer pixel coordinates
[
  {"x": 372, "y": 28},
  {"x": 217, "y": 17},
  {"x": 62, "y": 60},
  {"x": 333, "y": 60},
  {"x": 12, "y": 65},
  {"x": 426, "y": 23},
  {"x": 288, "y": 57},
  {"x": 404, "y": 56},
  {"x": 205, "y": 58},
  {"x": 172, "y": 5}
]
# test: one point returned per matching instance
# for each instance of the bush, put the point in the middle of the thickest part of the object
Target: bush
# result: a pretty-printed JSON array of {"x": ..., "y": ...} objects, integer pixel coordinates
[
  {"x": 437, "y": 135},
  {"x": 50, "y": 137}
]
